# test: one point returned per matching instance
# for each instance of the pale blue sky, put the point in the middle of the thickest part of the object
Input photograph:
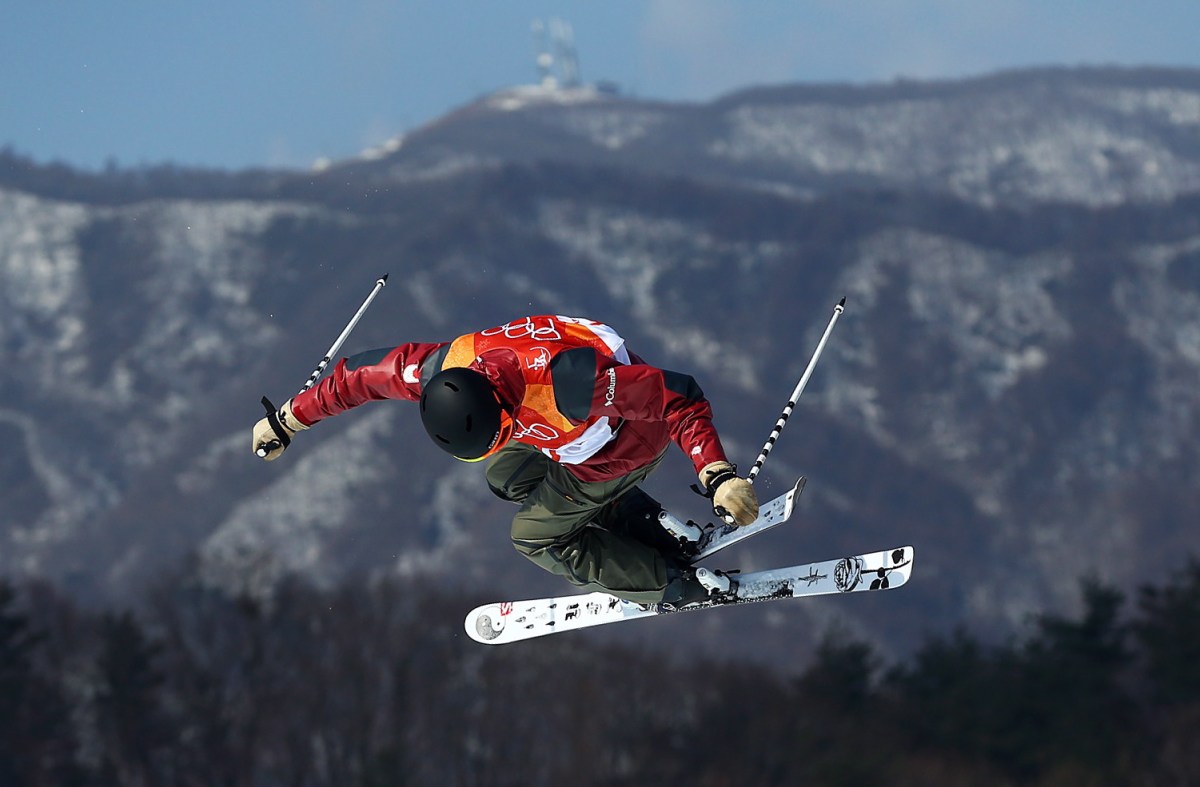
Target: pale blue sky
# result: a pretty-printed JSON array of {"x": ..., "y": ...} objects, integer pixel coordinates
[{"x": 284, "y": 82}]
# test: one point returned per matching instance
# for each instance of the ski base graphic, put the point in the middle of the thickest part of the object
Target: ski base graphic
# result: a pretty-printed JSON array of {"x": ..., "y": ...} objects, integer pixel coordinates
[{"x": 513, "y": 621}]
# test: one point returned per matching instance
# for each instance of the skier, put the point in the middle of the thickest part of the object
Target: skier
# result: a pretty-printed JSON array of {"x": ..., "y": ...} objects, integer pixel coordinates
[{"x": 571, "y": 422}]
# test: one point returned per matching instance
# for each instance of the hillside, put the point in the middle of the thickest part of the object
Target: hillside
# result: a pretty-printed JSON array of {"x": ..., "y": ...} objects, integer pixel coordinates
[{"x": 1013, "y": 388}]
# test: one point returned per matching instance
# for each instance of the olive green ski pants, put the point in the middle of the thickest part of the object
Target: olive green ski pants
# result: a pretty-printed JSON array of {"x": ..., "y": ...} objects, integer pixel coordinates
[{"x": 582, "y": 531}]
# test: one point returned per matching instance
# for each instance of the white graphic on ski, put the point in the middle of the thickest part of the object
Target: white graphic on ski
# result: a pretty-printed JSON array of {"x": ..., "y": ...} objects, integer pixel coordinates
[{"x": 512, "y": 621}]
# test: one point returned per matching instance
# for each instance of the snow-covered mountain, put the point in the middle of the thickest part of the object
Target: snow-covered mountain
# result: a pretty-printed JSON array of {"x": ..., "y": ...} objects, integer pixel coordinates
[
  {"x": 1013, "y": 388},
  {"x": 1098, "y": 137}
]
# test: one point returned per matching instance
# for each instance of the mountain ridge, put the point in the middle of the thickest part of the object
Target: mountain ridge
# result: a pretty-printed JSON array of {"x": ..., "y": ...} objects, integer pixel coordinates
[{"x": 1011, "y": 389}]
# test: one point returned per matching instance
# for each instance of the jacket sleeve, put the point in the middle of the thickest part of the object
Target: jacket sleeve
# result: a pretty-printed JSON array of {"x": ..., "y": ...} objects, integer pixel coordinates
[
  {"x": 386, "y": 373},
  {"x": 640, "y": 392}
]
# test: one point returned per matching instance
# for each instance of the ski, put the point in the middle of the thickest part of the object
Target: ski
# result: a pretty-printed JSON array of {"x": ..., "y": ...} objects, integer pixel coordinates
[
  {"x": 776, "y": 512},
  {"x": 513, "y": 621}
]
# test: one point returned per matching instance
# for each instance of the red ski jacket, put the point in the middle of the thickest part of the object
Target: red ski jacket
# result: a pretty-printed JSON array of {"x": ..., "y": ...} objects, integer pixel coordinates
[{"x": 577, "y": 394}]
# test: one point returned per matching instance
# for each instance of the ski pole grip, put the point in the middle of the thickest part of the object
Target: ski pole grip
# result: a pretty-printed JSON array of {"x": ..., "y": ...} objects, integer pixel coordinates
[{"x": 276, "y": 427}]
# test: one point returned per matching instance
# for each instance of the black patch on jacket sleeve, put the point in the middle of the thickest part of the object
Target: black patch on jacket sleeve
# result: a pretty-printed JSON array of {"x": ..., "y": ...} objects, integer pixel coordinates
[
  {"x": 573, "y": 373},
  {"x": 683, "y": 384},
  {"x": 367, "y": 358},
  {"x": 433, "y": 364}
]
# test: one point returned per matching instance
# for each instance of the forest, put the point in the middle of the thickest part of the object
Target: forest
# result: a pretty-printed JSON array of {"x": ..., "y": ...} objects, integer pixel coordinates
[{"x": 373, "y": 684}]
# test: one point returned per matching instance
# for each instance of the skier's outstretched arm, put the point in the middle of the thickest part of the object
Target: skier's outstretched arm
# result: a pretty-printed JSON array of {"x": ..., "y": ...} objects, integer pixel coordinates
[{"x": 386, "y": 373}]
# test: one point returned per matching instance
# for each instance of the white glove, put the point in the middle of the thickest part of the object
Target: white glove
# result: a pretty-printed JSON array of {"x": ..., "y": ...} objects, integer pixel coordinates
[
  {"x": 267, "y": 443},
  {"x": 731, "y": 494}
]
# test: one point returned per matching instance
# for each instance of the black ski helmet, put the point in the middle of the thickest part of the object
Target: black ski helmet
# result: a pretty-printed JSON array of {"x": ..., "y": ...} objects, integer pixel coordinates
[{"x": 462, "y": 415}]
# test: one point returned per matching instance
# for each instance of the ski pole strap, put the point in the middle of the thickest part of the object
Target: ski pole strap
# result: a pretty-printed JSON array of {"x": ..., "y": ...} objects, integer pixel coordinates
[
  {"x": 276, "y": 427},
  {"x": 710, "y": 489},
  {"x": 714, "y": 483},
  {"x": 719, "y": 479}
]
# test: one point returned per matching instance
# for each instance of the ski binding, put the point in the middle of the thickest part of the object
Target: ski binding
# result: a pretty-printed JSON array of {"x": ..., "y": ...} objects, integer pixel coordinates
[{"x": 698, "y": 542}]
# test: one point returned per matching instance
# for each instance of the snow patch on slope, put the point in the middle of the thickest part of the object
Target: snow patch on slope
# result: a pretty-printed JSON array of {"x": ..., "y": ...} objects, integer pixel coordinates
[
  {"x": 998, "y": 145},
  {"x": 613, "y": 128},
  {"x": 284, "y": 529},
  {"x": 525, "y": 96},
  {"x": 636, "y": 258},
  {"x": 41, "y": 289},
  {"x": 994, "y": 310},
  {"x": 75, "y": 490},
  {"x": 458, "y": 496},
  {"x": 1164, "y": 318}
]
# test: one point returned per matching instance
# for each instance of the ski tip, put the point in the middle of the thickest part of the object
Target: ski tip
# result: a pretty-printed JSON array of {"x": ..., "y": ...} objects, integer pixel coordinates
[
  {"x": 902, "y": 558},
  {"x": 790, "y": 502}
]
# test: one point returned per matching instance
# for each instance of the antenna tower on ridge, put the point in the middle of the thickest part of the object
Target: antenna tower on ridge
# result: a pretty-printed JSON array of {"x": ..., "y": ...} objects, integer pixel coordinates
[{"x": 556, "y": 57}]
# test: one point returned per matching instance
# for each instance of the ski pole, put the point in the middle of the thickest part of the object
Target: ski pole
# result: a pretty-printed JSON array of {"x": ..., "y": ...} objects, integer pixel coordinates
[
  {"x": 282, "y": 438},
  {"x": 787, "y": 411}
]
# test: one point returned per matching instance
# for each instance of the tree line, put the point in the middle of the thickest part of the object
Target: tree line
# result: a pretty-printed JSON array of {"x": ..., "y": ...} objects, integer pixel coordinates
[{"x": 373, "y": 683}]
